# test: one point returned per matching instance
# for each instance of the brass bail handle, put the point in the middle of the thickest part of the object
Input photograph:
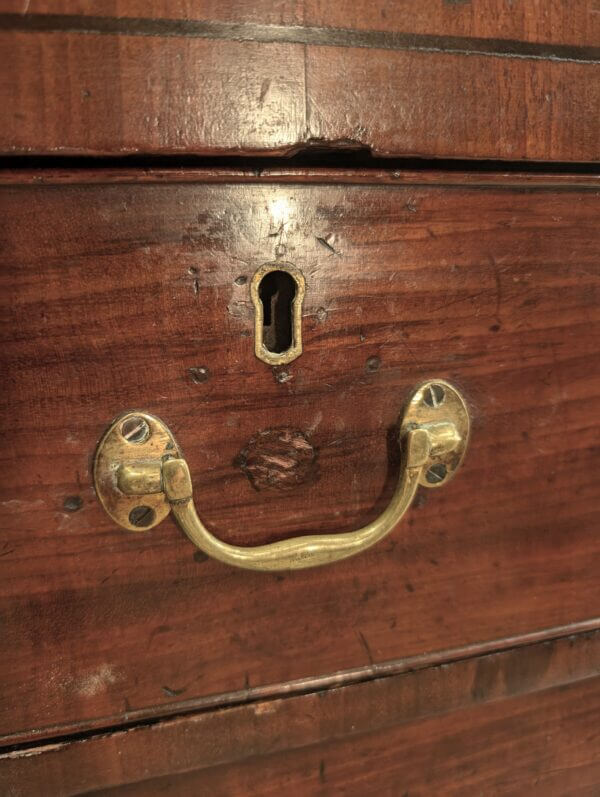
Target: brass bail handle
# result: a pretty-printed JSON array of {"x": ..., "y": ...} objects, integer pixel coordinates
[{"x": 140, "y": 476}]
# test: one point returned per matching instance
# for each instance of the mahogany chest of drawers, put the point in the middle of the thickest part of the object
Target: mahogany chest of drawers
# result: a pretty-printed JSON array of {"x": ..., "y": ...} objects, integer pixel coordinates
[{"x": 325, "y": 256}]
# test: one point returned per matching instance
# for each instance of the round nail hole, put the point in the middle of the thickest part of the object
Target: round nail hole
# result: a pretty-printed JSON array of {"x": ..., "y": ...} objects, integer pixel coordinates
[
  {"x": 135, "y": 429},
  {"x": 434, "y": 395},
  {"x": 199, "y": 374},
  {"x": 372, "y": 365},
  {"x": 142, "y": 516},
  {"x": 436, "y": 473},
  {"x": 73, "y": 503}
]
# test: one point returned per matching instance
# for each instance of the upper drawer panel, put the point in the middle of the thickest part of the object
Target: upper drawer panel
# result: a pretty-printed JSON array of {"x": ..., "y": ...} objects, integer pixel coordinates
[
  {"x": 435, "y": 79},
  {"x": 137, "y": 295}
]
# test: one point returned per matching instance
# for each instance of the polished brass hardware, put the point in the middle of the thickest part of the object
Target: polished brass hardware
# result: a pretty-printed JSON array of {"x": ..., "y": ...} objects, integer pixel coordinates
[
  {"x": 139, "y": 483},
  {"x": 268, "y": 336}
]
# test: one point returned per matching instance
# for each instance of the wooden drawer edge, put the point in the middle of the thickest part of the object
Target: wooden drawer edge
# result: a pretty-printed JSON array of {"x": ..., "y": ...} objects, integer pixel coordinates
[{"x": 282, "y": 722}]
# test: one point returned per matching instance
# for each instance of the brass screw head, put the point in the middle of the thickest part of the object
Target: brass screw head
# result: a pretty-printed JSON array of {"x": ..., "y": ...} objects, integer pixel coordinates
[{"x": 135, "y": 429}]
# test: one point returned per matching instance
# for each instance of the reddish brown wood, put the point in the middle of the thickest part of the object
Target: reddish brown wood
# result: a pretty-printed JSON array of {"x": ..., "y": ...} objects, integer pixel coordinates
[
  {"x": 562, "y": 21},
  {"x": 112, "y": 293},
  {"x": 108, "y": 95},
  {"x": 280, "y": 12},
  {"x": 516, "y": 722},
  {"x": 433, "y": 79},
  {"x": 545, "y": 745},
  {"x": 559, "y": 21},
  {"x": 437, "y": 105}
]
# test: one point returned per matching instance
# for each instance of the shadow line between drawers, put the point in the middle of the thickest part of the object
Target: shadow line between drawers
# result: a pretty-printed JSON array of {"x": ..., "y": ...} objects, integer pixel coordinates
[{"x": 27, "y": 739}]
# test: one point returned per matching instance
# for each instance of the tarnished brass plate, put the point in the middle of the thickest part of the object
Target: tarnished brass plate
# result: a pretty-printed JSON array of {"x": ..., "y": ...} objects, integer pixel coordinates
[
  {"x": 295, "y": 350},
  {"x": 134, "y": 438}
]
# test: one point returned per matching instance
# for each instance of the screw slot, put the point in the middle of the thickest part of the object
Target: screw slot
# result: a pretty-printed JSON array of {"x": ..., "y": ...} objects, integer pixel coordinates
[
  {"x": 437, "y": 473},
  {"x": 142, "y": 516},
  {"x": 135, "y": 429},
  {"x": 434, "y": 395}
]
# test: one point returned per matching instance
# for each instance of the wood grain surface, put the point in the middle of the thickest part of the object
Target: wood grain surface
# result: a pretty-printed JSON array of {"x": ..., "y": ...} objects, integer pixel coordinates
[
  {"x": 518, "y": 722},
  {"x": 478, "y": 79},
  {"x": 573, "y": 22},
  {"x": 111, "y": 293}
]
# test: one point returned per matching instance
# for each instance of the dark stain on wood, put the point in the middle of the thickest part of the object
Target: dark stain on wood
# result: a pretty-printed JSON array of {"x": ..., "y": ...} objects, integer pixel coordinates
[
  {"x": 523, "y": 673},
  {"x": 487, "y": 672}
]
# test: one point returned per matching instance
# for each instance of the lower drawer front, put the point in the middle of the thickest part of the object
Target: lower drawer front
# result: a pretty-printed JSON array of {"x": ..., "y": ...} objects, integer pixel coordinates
[
  {"x": 137, "y": 295},
  {"x": 519, "y": 722}
]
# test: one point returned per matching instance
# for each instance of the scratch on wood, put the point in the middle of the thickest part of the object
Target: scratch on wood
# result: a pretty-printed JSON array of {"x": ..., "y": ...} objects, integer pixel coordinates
[
  {"x": 172, "y": 692},
  {"x": 365, "y": 645},
  {"x": 106, "y": 578},
  {"x": 268, "y": 707},
  {"x": 322, "y": 771},
  {"x": 324, "y": 242},
  {"x": 264, "y": 89},
  {"x": 469, "y": 298}
]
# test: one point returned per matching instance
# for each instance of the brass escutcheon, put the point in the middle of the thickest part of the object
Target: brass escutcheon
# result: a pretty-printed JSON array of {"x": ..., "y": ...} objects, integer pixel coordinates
[{"x": 261, "y": 347}]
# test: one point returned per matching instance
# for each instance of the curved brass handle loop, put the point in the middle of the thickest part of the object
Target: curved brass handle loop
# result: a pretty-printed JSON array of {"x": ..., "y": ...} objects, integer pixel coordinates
[
  {"x": 298, "y": 552},
  {"x": 433, "y": 433}
]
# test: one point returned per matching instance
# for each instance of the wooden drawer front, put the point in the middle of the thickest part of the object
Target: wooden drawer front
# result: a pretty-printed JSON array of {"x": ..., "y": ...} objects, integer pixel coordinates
[
  {"x": 421, "y": 78},
  {"x": 439, "y": 730},
  {"x": 114, "y": 293}
]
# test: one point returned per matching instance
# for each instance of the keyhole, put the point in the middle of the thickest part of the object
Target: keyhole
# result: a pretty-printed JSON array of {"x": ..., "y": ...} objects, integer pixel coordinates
[{"x": 277, "y": 291}]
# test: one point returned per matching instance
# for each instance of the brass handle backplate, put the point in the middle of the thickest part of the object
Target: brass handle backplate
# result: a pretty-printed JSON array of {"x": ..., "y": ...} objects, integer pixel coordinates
[{"x": 140, "y": 476}]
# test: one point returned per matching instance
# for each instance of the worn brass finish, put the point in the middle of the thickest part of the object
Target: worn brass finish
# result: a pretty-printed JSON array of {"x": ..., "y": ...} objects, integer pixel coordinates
[
  {"x": 140, "y": 479},
  {"x": 434, "y": 433},
  {"x": 295, "y": 350},
  {"x": 126, "y": 472}
]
